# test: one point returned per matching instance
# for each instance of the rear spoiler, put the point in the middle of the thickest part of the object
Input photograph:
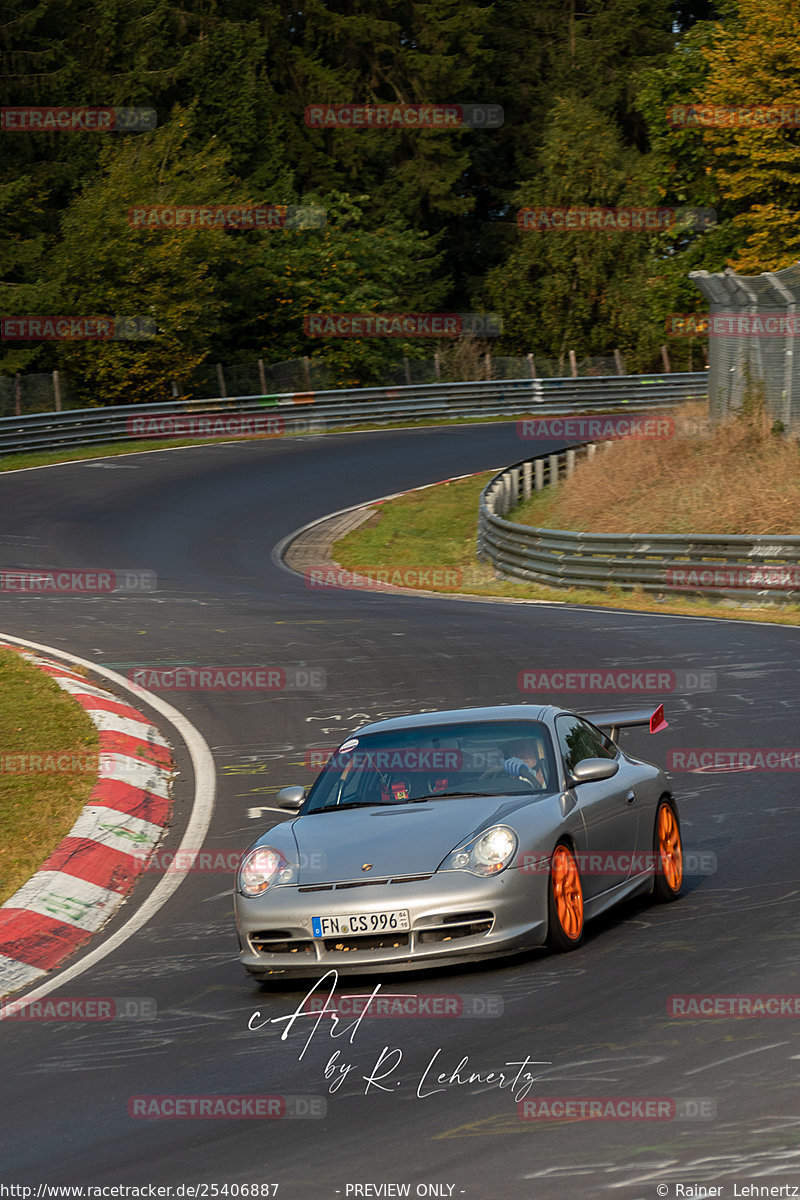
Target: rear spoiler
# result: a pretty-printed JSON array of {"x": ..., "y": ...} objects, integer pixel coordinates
[{"x": 627, "y": 718}]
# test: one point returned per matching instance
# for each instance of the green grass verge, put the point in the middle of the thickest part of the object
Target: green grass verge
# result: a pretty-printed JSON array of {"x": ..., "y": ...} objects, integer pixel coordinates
[
  {"x": 38, "y": 808},
  {"x": 437, "y": 527}
]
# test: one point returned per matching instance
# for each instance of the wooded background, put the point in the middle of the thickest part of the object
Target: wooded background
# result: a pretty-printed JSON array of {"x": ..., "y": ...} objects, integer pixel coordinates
[{"x": 417, "y": 220}]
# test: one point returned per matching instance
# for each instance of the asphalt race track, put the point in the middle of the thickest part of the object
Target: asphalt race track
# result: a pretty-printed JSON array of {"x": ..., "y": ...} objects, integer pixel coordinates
[{"x": 206, "y": 520}]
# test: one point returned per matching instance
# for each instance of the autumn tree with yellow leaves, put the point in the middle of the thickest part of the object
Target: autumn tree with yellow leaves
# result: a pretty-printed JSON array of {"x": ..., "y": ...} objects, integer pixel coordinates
[{"x": 753, "y": 60}]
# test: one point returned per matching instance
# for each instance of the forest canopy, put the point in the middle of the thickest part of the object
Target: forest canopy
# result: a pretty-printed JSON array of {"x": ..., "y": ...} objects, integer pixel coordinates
[{"x": 608, "y": 106}]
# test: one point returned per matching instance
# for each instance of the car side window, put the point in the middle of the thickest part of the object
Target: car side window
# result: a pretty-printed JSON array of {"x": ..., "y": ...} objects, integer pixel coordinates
[{"x": 578, "y": 740}]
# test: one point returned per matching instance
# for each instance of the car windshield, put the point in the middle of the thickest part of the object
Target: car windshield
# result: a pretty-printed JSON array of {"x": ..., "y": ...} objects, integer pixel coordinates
[{"x": 437, "y": 762}]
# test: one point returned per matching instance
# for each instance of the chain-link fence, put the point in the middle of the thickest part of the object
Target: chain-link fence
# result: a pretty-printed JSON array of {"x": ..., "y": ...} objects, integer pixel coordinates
[
  {"x": 464, "y": 361},
  {"x": 48, "y": 391},
  {"x": 259, "y": 378},
  {"x": 753, "y": 331}
]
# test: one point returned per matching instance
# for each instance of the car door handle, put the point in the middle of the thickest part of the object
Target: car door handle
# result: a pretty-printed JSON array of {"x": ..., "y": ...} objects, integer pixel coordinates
[{"x": 631, "y": 796}]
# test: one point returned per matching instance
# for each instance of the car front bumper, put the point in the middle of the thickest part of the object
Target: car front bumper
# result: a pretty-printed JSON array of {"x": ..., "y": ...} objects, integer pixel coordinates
[{"x": 453, "y": 917}]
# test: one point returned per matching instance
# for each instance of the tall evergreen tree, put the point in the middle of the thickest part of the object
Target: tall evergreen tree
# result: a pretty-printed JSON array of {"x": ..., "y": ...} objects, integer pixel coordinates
[{"x": 583, "y": 288}]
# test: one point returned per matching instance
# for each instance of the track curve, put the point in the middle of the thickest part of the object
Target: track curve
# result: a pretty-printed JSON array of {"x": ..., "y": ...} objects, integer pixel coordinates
[{"x": 206, "y": 520}]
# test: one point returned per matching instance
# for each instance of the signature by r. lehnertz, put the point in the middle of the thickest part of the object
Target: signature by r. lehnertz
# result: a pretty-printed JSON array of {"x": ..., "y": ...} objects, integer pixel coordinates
[{"x": 516, "y": 1076}]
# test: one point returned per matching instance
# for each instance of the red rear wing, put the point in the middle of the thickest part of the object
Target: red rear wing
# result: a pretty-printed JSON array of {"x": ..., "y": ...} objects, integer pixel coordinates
[{"x": 627, "y": 718}]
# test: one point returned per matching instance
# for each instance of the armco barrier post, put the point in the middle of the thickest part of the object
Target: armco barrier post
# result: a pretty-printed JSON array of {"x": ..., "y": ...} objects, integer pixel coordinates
[{"x": 553, "y": 464}]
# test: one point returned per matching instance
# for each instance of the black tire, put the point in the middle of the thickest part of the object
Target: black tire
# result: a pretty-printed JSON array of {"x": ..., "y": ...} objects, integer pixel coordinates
[
  {"x": 668, "y": 854},
  {"x": 564, "y": 901}
]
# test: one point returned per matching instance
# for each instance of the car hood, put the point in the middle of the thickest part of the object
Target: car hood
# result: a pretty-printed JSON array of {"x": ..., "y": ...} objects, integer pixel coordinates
[{"x": 408, "y": 839}]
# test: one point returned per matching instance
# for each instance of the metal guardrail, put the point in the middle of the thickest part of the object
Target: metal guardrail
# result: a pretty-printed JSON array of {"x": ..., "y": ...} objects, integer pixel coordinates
[
  {"x": 729, "y": 566},
  {"x": 299, "y": 411}
]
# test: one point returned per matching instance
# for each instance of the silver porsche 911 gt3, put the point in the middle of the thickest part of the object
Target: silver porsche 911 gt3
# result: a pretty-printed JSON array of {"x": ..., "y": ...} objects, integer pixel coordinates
[{"x": 452, "y": 836}]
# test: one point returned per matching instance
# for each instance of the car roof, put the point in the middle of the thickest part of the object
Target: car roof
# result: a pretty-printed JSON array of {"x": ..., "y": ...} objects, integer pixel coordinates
[{"x": 494, "y": 712}]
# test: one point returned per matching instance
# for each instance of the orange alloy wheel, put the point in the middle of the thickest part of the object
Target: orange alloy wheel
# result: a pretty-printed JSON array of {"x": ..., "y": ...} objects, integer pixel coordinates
[
  {"x": 567, "y": 893},
  {"x": 669, "y": 848}
]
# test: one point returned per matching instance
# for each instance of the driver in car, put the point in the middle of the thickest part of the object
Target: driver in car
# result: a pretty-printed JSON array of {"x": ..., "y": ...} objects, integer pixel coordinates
[{"x": 526, "y": 759}]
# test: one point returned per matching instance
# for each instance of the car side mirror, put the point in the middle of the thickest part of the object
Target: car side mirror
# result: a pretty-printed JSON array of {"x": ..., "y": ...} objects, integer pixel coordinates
[
  {"x": 291, "y": 797},
  {"x": 591, "y": 770}
]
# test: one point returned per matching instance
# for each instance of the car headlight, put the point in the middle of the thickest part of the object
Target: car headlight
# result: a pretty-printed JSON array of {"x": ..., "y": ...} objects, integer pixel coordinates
[
  {"x": 487, "y": 854},
  {"x": 261, "y": 867}
]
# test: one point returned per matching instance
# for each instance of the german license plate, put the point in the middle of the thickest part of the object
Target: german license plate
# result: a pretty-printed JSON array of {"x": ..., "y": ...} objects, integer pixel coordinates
[{"x": 382, "y": 922}]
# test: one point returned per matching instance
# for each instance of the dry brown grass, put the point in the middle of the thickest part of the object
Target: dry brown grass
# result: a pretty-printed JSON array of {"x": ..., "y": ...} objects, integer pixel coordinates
[
  {"x": 437, "y": 527},
  {"x": 741, "y": 478}
]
